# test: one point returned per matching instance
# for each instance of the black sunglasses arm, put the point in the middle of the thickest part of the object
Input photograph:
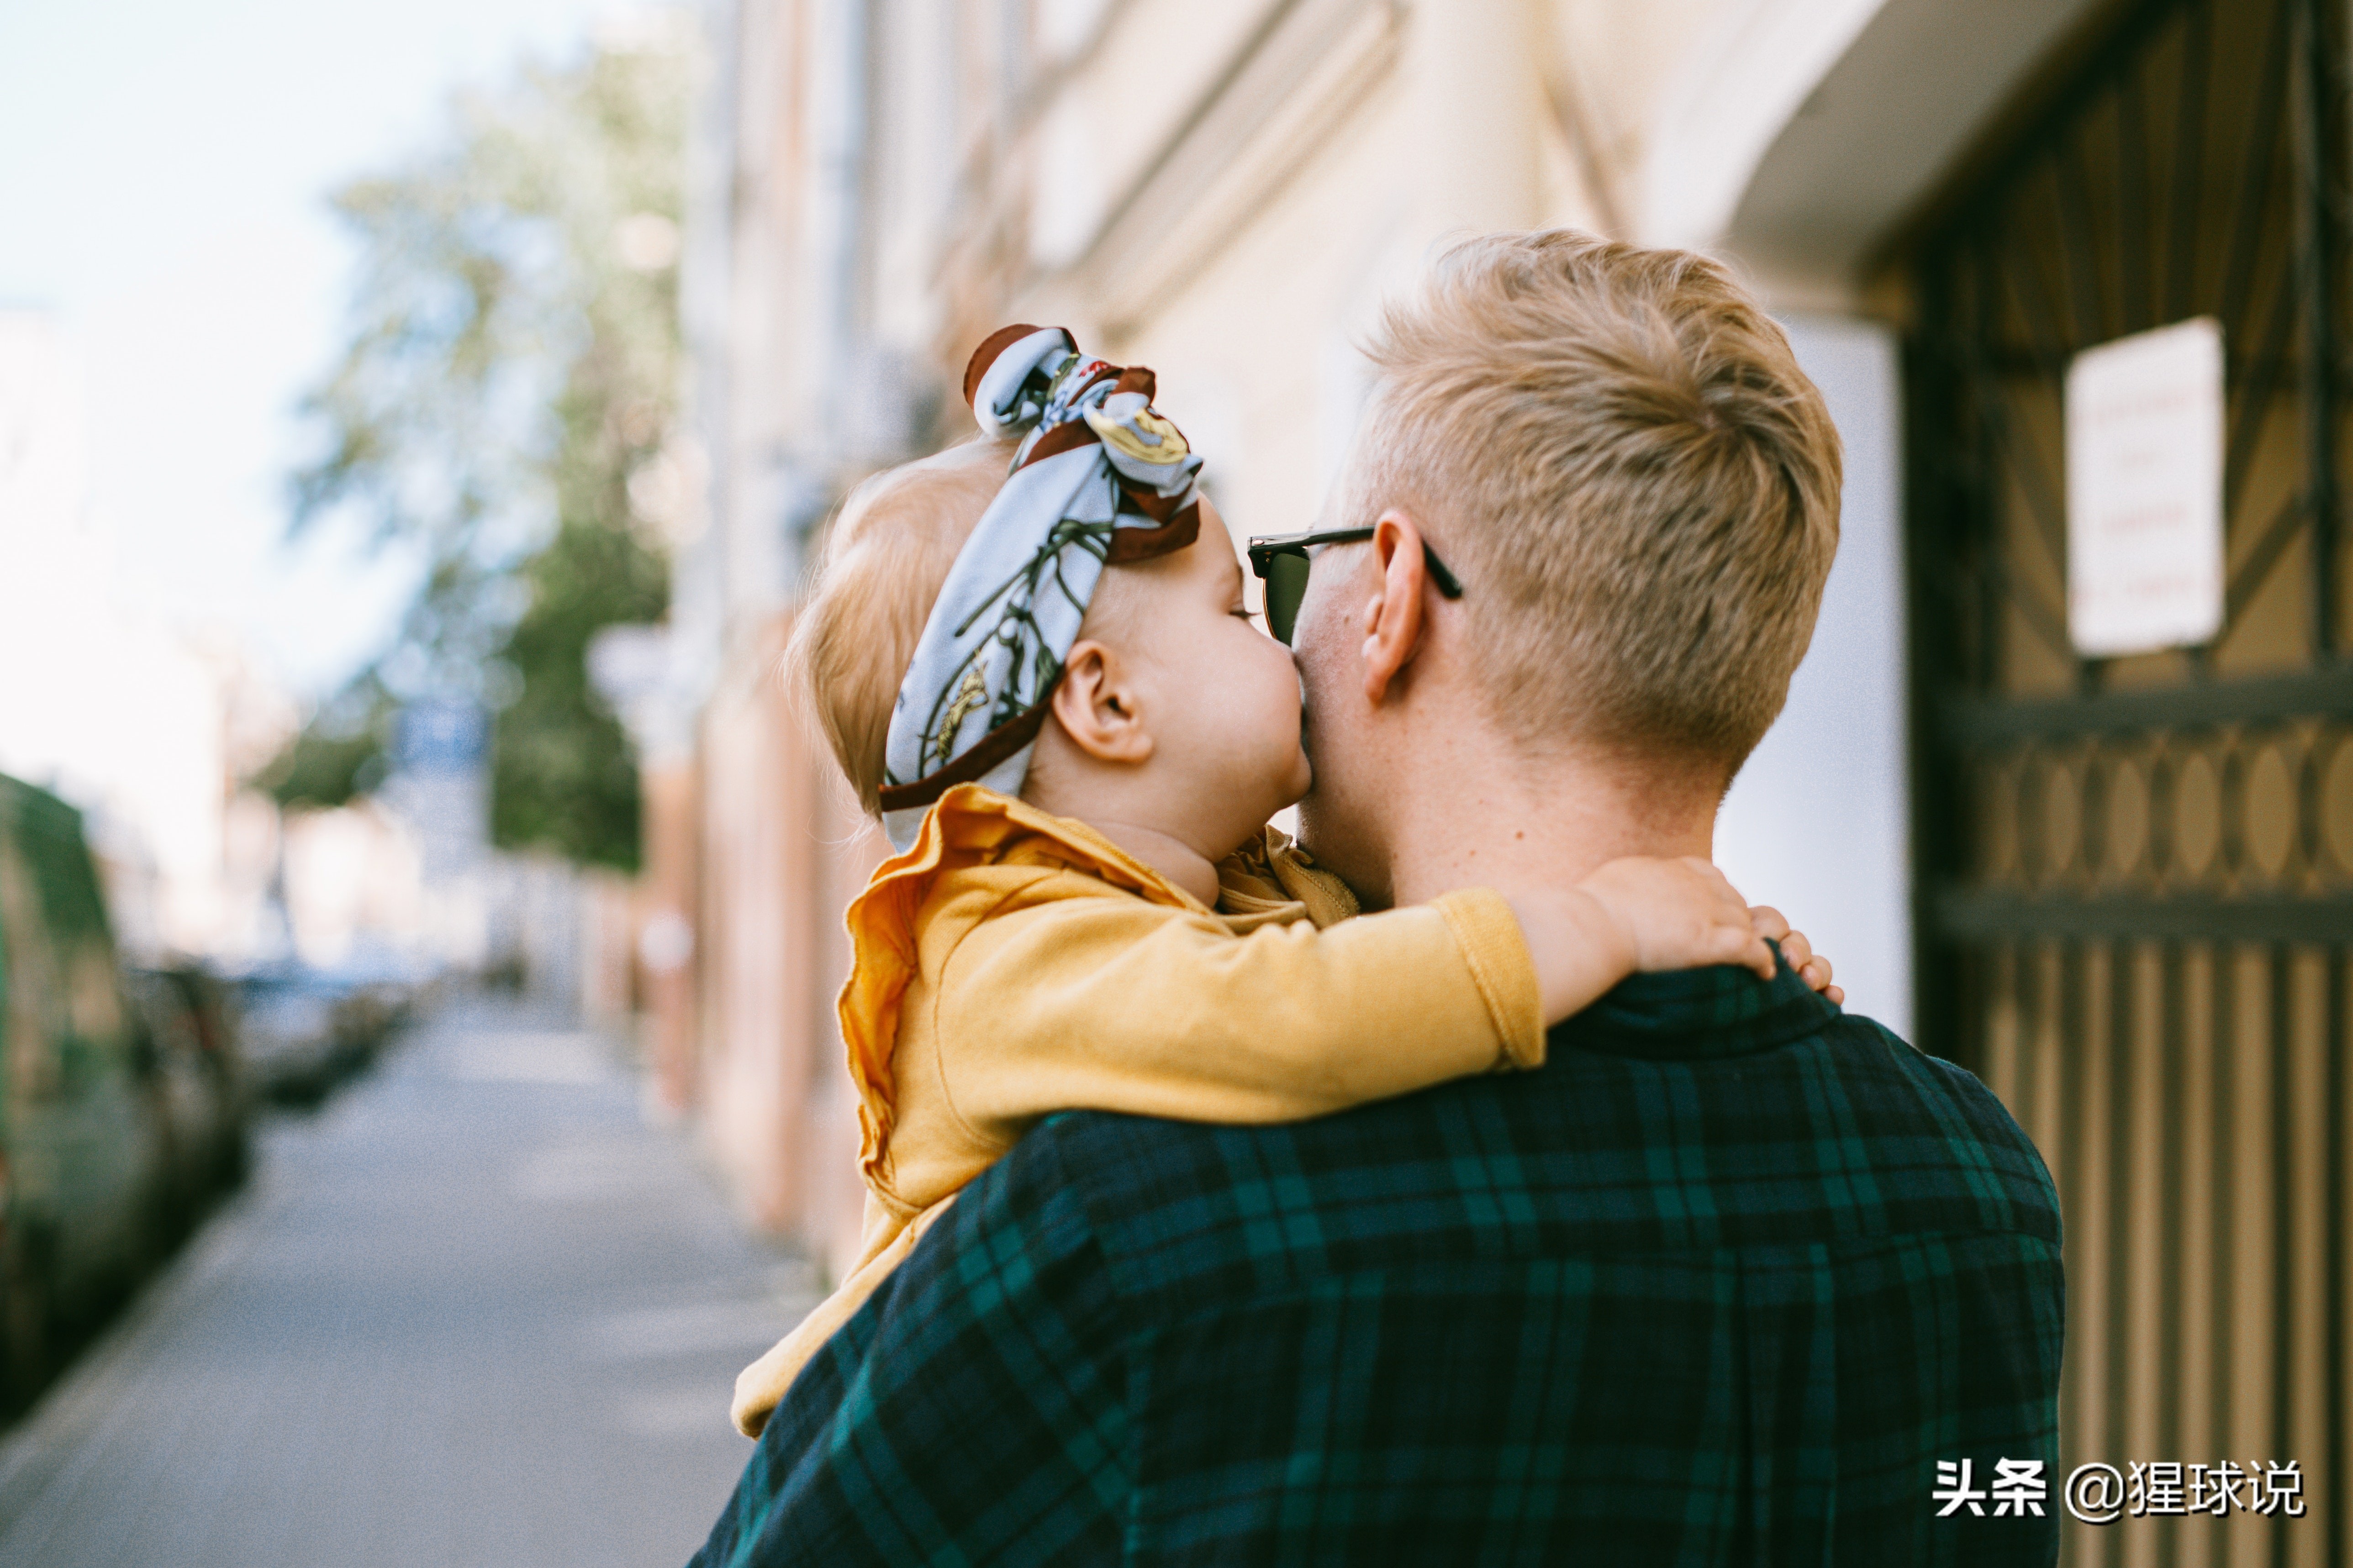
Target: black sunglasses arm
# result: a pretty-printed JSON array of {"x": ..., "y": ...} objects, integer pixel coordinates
[{"x": 1264, "y": 548}]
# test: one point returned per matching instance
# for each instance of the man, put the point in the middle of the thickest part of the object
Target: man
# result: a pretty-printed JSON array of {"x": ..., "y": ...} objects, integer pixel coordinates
[{"x": 1733, "y": 1277}]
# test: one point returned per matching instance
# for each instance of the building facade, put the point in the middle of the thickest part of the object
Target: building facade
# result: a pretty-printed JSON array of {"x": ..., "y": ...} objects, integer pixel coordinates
[{"x": 2119, "y": 888}]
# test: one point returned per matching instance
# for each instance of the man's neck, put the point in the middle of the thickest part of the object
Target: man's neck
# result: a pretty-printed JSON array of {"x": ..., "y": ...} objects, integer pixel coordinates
[{"x": 1508, "y": 824}]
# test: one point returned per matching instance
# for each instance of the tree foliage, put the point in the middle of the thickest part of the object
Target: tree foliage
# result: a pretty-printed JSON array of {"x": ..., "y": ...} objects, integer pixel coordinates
[{"x": 513, "y": 359}]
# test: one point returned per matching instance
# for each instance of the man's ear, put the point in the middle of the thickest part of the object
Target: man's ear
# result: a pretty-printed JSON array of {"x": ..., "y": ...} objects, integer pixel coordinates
[
  {"x": 1099, "y": 708},
  {"x": 1394, "y": 616}
]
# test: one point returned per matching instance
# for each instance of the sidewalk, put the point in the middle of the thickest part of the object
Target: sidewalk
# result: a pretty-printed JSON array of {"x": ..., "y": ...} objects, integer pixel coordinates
[{"x": 474, "y": 1312}]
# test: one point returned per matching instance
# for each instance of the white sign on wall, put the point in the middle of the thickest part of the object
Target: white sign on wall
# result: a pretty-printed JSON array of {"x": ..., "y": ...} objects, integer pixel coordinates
[{"x": 2145, "y": 490}]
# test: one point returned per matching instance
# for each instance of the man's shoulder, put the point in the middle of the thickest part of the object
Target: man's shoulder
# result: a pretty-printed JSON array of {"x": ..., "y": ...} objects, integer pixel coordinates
[{"x": 1843, "y": 1135}]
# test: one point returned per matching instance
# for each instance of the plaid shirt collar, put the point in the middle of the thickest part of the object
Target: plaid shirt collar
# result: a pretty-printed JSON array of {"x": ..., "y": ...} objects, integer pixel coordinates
[{"x": 1697, "y": 1013}]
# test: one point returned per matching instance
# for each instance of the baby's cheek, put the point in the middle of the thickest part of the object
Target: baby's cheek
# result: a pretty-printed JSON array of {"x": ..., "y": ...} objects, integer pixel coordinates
[
  {"x": 1276, "y": 681},
  {"x": 1278, "y": 701}
]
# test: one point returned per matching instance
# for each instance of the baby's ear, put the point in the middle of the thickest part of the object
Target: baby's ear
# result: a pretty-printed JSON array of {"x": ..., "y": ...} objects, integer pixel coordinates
[{"x": 1099, "y": 707}]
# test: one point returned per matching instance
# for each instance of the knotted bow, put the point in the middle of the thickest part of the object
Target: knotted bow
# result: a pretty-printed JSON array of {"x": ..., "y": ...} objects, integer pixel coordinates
[{"x": 1100, "y": 479}]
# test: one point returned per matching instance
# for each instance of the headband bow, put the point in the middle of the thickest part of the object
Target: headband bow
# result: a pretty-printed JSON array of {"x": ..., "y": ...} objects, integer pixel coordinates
[{"x": 1100, "y": 479}]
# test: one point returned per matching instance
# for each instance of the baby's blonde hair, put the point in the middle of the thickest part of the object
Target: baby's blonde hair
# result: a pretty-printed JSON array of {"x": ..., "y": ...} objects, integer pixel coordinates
[
  {"x": 1616, "y": 451},
  {"x": 885, "y": 558}
]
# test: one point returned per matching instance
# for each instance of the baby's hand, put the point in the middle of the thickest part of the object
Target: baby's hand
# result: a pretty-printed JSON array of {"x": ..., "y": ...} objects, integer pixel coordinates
[
  {"x": 1678, "y": 914},
  {"x": 1811, "y": 966},
  {"x": 1634, "y": 914}
]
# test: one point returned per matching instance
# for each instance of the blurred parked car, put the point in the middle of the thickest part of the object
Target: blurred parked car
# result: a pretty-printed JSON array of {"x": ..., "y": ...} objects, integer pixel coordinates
[
  {"x": 198, "y": 1080},
  {"x": 295, "y": 1042},
  {"x": 303, "y": 1029},
  {"x": 387, "y": 991},
  {"x": 83, "y": 1141}
]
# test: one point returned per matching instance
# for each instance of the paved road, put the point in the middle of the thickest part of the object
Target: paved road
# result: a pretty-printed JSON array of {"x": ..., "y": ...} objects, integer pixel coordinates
[{"x": 475, "y": 1311}]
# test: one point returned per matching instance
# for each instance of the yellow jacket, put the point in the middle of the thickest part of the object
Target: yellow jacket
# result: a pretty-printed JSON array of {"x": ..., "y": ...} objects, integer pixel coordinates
[{"x": 1015, "y": 963}]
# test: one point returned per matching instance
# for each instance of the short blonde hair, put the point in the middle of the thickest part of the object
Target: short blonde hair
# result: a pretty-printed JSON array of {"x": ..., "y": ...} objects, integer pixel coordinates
[
  {"x": 1615, "y": 450},
  {"x": 885, "y": 557}
]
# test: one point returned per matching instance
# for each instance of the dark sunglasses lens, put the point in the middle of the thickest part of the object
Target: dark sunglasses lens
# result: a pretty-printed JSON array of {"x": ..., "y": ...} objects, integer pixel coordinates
[{"x": 1286, "y": 585}]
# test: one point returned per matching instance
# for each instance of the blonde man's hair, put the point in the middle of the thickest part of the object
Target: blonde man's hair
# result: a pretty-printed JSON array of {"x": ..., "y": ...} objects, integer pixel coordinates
[
  {"x": 884, "y": 560},
  {"x": 1615, "y": 450}
]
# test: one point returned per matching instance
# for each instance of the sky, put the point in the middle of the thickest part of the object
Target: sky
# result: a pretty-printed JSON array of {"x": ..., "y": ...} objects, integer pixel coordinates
[{"x": 164, "y": 170}]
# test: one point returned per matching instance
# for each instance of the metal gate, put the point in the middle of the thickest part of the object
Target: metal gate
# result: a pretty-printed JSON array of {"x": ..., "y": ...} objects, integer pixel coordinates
[{"x": 2137, "y": 874}]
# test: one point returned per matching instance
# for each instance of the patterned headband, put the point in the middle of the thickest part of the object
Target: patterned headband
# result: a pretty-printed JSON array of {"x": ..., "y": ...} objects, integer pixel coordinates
[{"x": 1100, "y": 479}]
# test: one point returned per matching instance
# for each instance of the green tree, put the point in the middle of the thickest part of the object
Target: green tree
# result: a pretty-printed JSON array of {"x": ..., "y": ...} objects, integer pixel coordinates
[{"x": 513, "y": 359}]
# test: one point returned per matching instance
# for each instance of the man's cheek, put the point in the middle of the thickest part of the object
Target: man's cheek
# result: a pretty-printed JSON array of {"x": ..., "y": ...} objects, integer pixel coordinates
[
  {"x": 1311, "y": 690},
  {"x": 1311, "y": 647}
]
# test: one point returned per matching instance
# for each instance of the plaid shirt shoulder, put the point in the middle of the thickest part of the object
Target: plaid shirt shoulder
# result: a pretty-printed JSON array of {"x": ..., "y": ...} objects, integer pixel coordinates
[{"x": 1721, "y": 1283}]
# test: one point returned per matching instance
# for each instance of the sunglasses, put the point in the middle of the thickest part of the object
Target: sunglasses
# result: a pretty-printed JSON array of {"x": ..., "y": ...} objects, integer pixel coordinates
[{"x": 1282, "y": 561}]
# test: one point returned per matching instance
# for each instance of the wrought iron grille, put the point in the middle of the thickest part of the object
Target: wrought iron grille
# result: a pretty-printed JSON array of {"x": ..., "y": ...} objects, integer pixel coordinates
[{"x": 2137, "y": 874}]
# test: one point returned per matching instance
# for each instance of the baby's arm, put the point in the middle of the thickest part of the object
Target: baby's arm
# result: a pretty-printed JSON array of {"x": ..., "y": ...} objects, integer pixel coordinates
[{"x": 1112, "y": 1003}]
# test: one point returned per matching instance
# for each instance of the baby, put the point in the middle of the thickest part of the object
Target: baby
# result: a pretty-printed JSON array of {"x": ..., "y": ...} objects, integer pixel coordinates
[{"x": 1033, "y": 660}]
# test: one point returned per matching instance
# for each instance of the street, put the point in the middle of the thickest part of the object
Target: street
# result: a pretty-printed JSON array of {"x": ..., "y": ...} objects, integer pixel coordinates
[{"x": 475, "y": 1311}]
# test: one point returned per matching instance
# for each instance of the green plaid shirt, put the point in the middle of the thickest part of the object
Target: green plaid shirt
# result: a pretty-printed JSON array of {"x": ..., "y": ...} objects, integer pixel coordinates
[{"x": 1722, "y": 1283}]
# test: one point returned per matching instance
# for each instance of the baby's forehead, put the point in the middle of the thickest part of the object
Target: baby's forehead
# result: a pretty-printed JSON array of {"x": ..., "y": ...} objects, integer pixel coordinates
[
  {"x": 1211, "y": 558},
  {"x": 1128, "y": 596},
  {"x": 1221, "y": 550},
  {"x": 1208, "y": 560}
]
